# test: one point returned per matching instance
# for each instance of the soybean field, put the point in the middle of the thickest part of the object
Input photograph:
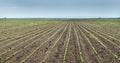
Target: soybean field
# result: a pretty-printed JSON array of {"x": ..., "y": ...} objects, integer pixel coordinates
[{"x": 59, "y": 40}]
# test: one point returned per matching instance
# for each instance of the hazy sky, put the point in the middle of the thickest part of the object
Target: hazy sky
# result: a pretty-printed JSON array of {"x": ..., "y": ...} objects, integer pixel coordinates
[{"x": 60, "y": 8}]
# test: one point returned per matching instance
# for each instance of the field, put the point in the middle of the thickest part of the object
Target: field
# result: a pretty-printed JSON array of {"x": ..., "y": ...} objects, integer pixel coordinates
[{"x": 60, "y": 40}]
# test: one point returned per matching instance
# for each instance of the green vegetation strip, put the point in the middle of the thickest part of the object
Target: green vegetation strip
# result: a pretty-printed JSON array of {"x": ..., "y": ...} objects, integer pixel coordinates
[
  {"x": 9, "y": 42},
  {"x": 38, "y": 34},
  {"x": 44, "y": 34},
  {"x": 101, "y": 35},
  {"x": 53, "y": 46},
  {"x": 106, "y": 34},
  {"x": 88, "y": 40},
  {"x": 78, "y": 42},
  {"x": 23, "y": 34},
  {"x": 115, "y": 55},
  {"x": 11, "y": 24},
  {"x": 67, "y": 45},
  {"x": 29, "y": 29},
  {"x": 36, "y": 49},
  {"x": 105, "y": 38}
]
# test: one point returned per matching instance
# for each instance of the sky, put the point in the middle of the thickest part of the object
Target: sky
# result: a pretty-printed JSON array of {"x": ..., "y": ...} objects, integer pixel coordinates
[{"x": 59, "y": 8}]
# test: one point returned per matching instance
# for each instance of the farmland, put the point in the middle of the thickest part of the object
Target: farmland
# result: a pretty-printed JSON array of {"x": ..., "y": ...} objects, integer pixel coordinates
[{"x": 38, "y": 40}]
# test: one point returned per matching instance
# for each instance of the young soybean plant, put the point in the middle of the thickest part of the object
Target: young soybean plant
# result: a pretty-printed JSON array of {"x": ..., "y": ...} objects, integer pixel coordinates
[
  {"x": 94, "y": 50},
  {"x": 78, "y": 42},
  {"x": 67, "y": 45},
  {"x": 23, "y": 61},
  {"x": 53, "y": 46},
  {"x": 115, "y": 55}
]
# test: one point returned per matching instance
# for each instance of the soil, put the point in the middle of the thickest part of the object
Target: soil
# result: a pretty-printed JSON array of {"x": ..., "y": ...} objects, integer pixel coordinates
[{"x": 56, "y": 54}]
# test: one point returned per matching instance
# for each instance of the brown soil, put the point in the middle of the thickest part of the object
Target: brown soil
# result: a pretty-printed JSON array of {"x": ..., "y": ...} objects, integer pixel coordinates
[
  {"x": 102, "y": 51},
  {"x": 28, "y": 50},
  {"x": 89, "y": 56},
  {"x": 40, "y": 54},
  {"x": 56, "y": 54},
  {"x": 73, "y": 54}
]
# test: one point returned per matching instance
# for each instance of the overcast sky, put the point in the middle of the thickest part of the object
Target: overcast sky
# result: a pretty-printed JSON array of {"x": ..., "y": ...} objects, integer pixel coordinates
[{"x": 59, "y": 8}]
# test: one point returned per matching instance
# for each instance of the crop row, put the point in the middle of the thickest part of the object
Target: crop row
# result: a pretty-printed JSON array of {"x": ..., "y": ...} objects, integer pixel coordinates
[
  {"x": 43, "y": 34},
  {"x": 41, "y": 45},
  {"x": 101, "y": 43},
  {"x": 17, "y": 43},
  {"x": 53, "y": 46}
]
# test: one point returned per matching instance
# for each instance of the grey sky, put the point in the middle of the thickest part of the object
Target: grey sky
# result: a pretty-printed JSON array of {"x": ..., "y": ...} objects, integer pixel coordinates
[{"x": 60, "y": 8}]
